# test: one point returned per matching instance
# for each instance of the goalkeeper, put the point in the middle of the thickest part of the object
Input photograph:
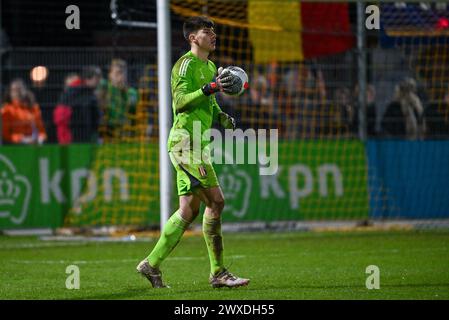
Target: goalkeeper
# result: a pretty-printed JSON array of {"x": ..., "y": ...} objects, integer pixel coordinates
[{"x": 194, "y": 104}]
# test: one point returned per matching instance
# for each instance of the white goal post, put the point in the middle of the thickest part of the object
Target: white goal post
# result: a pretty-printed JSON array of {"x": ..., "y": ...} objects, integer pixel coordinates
[{"x": 164, "y": 96}]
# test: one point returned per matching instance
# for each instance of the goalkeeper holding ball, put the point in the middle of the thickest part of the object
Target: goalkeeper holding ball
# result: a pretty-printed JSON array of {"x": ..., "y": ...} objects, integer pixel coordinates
[{"x": 193, "y": 89}]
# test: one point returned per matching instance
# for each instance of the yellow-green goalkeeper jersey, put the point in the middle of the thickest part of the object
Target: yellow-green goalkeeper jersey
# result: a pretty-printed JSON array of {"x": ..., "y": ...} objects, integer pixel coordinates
[{"x": 190, "y": 104}]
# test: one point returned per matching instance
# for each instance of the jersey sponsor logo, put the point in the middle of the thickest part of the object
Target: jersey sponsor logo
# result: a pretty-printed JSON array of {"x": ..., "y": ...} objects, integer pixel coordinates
[{"x": 184, "y": 66}]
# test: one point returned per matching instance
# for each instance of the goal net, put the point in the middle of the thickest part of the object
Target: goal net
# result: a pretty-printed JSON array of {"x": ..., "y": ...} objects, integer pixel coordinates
[{"x": 301, "y": 58}]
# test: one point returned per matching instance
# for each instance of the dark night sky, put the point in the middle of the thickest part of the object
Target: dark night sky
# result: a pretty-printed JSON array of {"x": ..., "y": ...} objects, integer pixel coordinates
[{"x": 42, "y": 23}]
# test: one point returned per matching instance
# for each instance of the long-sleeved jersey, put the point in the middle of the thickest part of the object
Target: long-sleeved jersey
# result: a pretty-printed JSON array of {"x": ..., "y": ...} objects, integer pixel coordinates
[{"x": 190, "y": 104}]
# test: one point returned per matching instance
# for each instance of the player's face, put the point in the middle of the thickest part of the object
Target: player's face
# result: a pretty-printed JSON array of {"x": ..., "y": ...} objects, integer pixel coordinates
[
  {"x": 206, "y": 39},
  {"x": 117, "y": 76}
]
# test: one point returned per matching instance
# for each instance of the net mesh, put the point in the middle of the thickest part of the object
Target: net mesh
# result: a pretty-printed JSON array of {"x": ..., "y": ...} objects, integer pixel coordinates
[
  {"x": 302, "y": 65},
  {"x": 322, "y": 172},
  {"x": 122, "y": 186}
]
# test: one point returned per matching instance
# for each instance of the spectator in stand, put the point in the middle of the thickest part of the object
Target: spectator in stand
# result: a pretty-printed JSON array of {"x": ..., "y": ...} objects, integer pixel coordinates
[
  {"x": 345, "y": 112},
  {"x": 72, "y": 80},
  {"x": 303, "y": 100},
  {"x": 436, "y": 118},
  {"x": 370, "y": 112},
  {"x": 76, "y": 116},
  {"x": 118, "y": 102},
  {"x": 63, "y": 113},
  {"x": 21, "y": 116},
  {"x": 261, "y": 101},
  {"x": 403, "y": 116}
]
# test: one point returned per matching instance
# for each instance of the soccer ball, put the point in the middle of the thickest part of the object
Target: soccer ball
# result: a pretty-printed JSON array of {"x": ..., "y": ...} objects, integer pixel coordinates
[{"x": 239, "y": 86}]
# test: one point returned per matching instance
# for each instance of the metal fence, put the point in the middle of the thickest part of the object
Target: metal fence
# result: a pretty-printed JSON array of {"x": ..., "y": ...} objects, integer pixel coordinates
[
  {"x": 313, "y": 99},
  {"x": 61, "y": 62},
  {"x": 333, "y": 115}
]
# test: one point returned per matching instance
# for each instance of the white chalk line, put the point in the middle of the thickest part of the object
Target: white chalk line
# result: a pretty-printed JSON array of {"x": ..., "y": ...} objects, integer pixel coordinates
[{"x": 75, "y": 262}]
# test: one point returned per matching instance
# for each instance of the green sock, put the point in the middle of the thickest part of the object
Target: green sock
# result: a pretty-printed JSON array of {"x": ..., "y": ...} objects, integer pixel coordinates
[
  {"x": 214, "y": 242},
  {"x": 170, "y": 236}
]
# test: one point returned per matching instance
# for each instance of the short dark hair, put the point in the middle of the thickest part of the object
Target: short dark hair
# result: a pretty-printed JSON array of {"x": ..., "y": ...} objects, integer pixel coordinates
[
  {"x": 90, "y": 72},
  {"x": 194, "y": 24}
]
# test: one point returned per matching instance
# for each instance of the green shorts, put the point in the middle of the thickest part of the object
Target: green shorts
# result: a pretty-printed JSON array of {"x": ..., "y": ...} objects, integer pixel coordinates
[{"x": 191, "y": 175}]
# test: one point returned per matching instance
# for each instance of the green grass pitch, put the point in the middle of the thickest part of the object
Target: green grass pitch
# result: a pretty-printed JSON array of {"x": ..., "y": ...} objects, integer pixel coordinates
[{"x": 284, "y": 265}]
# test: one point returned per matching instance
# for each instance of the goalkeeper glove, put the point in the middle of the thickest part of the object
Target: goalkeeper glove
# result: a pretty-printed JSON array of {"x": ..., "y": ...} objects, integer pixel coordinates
[
  {"x": 226, "y": 121},
  {"x": 215, "y": 87},
  {"x": 210, "y": 88},
  {"x": 227, "y": 80}
]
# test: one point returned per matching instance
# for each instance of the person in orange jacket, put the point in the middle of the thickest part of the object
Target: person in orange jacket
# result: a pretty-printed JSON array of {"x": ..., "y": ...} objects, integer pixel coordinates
[{"x": 21, "y": 116}]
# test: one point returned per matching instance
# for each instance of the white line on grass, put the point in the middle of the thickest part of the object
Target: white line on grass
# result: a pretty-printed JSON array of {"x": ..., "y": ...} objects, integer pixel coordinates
[
  {"x": 41, "y": 245},
  {"x": 108, "y": 261}
]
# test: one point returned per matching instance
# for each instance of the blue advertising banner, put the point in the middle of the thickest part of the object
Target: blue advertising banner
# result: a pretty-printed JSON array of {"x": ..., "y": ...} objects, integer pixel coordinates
[{"x": 408, "y": 179}]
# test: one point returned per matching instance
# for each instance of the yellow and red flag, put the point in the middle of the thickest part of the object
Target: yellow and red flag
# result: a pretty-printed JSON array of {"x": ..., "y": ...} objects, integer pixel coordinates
[{"x": 292, "y": 31}]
